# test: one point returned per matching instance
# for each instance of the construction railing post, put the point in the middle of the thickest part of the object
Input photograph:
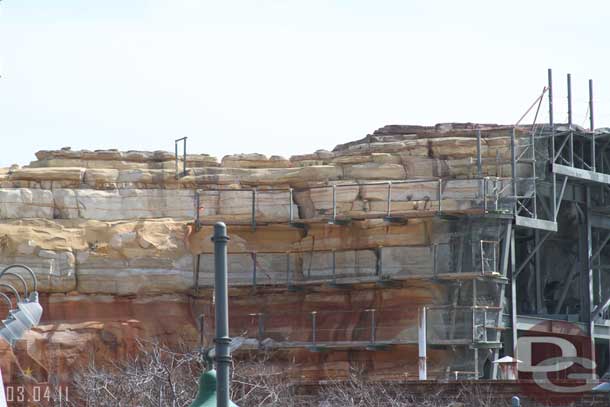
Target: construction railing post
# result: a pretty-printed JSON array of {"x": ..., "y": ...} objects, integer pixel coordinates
[
  {"x": 261, "y": 327},
  {"x": 253, "y": 255},
  {"x": 223, "y": 353},
  {"x": 253, "y": 220},
  {"x": 389, "y": 199},
  {"x": 373, "y": 329},
  {"x": 176, "y": 157},
  {"x": 313, "y": 328},
  {"x": 288, "y": 271},
  {"x": 440, "y": 195},
  {"x": 571, "y": 152},
  {"x": 479, "y": 165},
  {"x": 197, "y": 207},
  {"x": 201, "y": 330},
  {"x": 422, "y": 343},
  {"x": 484, "y": 194},
  {"x": 183, "y": 139},
  {"x": 379, "y": 265},
  {"x": 290, "y": 214},
  {"x": 591, "y": 125},
  {"x": 184, "y": 158},
  {"x": 334, "y": 277},
  {"x": 334, "y": 203}
]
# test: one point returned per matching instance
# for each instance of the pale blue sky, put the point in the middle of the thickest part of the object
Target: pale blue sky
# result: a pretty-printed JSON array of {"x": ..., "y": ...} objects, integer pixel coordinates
[{"x": 282, "y": 77}]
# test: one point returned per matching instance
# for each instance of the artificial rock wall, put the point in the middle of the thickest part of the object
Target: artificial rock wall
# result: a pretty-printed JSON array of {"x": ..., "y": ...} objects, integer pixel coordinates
[{"x": 111, "y": 237}]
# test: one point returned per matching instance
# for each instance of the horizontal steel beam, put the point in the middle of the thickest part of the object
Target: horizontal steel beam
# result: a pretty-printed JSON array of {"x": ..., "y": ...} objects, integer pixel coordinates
[
  {"x": 584, "y": 175},
  {"x": 600, "y": 221},
  {"x": 536, "y": 223}
]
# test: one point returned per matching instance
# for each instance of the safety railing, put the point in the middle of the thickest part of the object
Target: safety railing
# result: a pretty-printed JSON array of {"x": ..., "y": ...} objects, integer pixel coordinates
[
  {"x": 474, "y": 324},
  {"x": 352, "y": 328},
  {"x": 294, "y": 268},
  {"x": 342, "y": 202}
]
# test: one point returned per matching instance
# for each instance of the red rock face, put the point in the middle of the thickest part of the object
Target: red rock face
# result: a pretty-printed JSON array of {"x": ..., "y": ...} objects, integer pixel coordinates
[
  {"x": 347, "y": 335},
  {"x": 76, "y": 330}
]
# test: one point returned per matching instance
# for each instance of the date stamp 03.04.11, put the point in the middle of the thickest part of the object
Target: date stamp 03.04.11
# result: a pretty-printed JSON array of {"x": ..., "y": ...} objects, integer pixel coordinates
[{"x": 38, "y": 394}]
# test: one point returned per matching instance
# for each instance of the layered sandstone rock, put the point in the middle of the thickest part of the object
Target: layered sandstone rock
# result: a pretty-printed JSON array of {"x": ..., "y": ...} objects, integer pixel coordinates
[{"x": 113, "y": 241}]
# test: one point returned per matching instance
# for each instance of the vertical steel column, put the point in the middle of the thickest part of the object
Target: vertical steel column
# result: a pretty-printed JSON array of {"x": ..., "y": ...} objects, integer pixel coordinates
[
  {"x": 223, "y": 352},
  {"x": 479, "y": 164},
  {"x": 537, "y": 272},
  {"x": 476, "y": 363},
  {"x": 504, "y": 273},
  {"x": 590, "y": 272},
  {"x": 422, "y": 343},
  {"x": 513, "y": 296},
  {"x": 591, "y": 125},
  {"x": 535, "y": 197},
  {"x": 552, "y": 124},
  {"x": 571, "y": 152},
  {"x": 513, "y": 158}
]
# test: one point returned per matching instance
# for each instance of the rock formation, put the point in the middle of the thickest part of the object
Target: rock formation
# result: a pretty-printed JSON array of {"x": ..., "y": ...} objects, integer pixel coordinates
[{"x": 114, "y": 240}]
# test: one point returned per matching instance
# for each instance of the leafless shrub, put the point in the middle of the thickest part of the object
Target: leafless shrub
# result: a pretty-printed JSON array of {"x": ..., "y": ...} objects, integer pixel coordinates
[
  {"x": 357, "y": 391},
  {"x": 160, "y": 376},
  {"x": 256, "y": 383},
  {"x": 155, "y": 376}
]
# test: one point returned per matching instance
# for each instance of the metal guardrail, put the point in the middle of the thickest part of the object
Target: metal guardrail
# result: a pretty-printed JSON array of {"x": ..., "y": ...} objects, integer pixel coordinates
[
  {"x": 485, "y": 194},
  {"x": 360, "y": 328},
  {"x": 296, "y": 267}
]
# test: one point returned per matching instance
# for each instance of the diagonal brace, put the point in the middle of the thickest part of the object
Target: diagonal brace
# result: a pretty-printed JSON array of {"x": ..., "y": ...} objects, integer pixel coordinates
[{"x": 532, "y": 254}]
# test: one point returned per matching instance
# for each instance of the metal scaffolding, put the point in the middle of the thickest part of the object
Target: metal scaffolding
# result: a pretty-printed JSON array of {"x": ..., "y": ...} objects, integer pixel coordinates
[{"x": 547, "y": 260}]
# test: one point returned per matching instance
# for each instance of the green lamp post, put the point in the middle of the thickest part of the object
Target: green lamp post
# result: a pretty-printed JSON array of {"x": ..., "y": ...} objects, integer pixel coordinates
[
  {"x": 206, "y": 396},
  {"x": 215, "y": 392}
]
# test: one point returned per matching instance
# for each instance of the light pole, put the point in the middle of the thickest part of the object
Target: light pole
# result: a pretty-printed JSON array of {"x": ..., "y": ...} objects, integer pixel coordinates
[
  {"x": 23, "y": 316},
  {"x": 214, "y": 384},
  {"x": 27, "y": 311}
]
